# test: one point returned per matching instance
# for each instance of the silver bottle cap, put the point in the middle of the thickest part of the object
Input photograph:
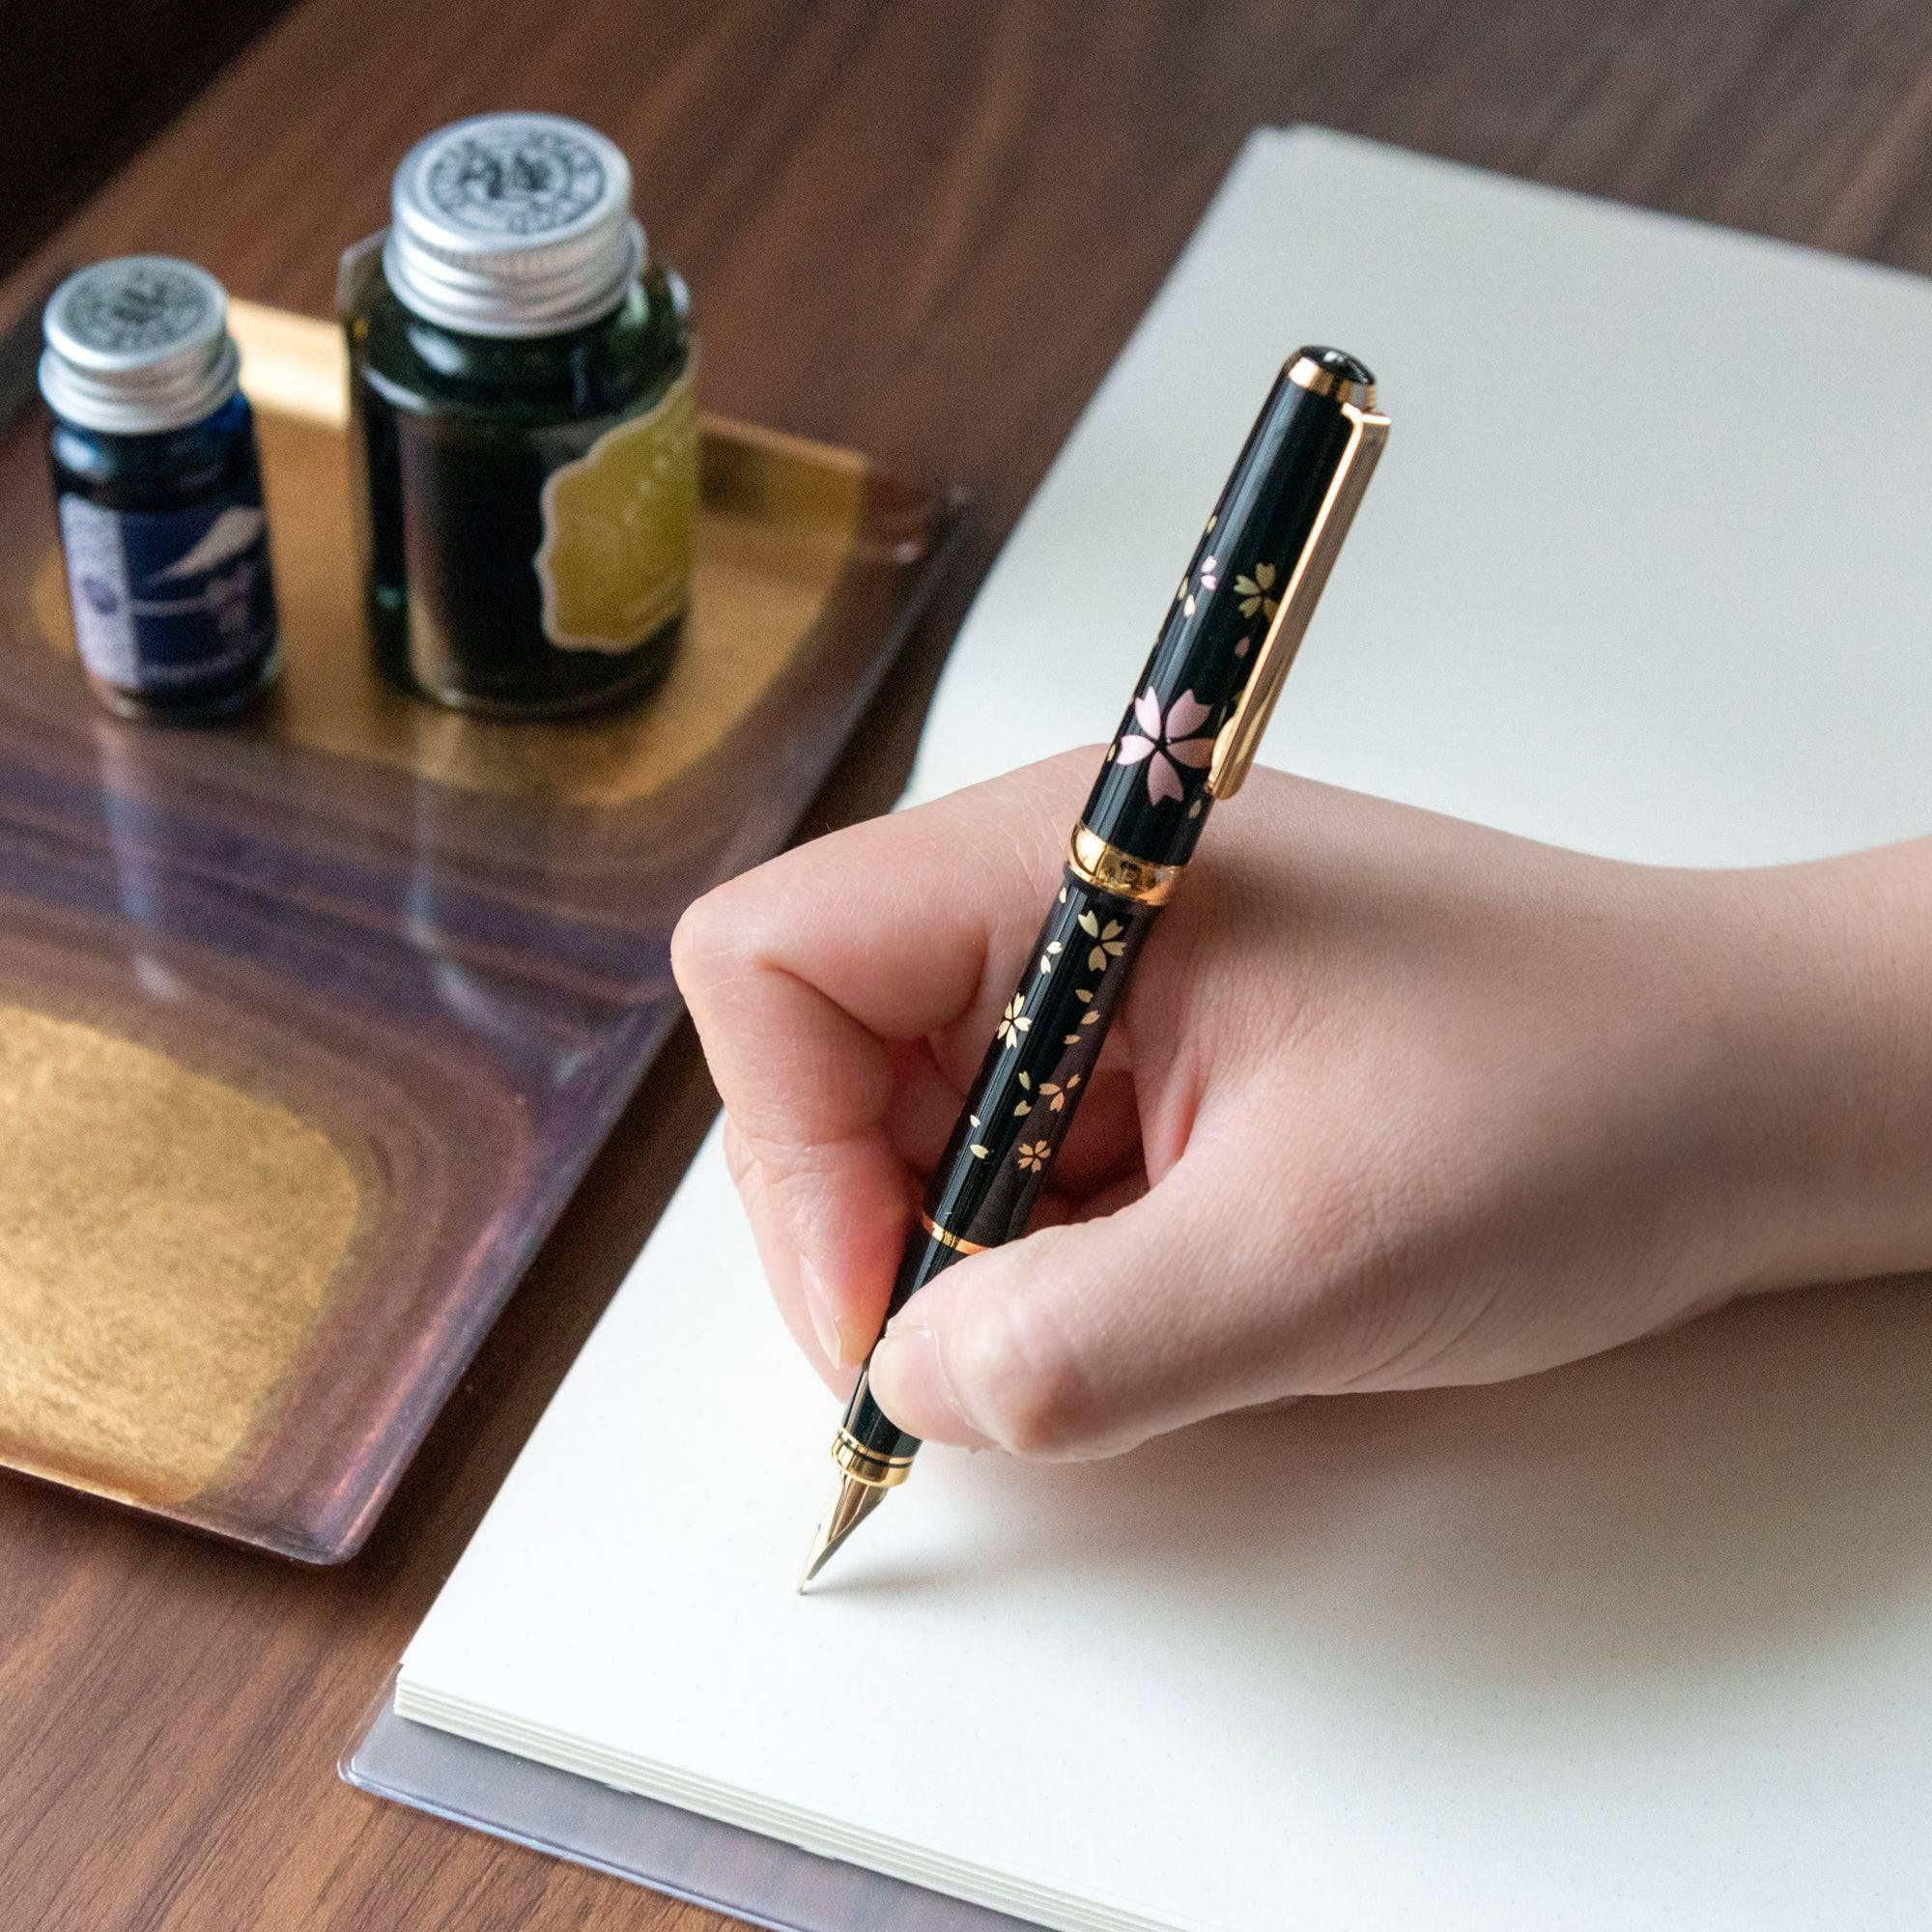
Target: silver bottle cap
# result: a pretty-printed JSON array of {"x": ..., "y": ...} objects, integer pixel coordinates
[
  {"x": 513, "y": 225},
  {"x": 138, "y": 345}
]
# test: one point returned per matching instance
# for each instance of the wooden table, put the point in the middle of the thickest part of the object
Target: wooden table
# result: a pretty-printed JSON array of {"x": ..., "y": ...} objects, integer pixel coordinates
[{"x": 922, "y": 228}]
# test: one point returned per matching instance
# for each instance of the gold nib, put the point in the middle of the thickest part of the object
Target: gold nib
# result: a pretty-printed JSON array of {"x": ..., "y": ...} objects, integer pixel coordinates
[{"x": 857, "y": 1501}]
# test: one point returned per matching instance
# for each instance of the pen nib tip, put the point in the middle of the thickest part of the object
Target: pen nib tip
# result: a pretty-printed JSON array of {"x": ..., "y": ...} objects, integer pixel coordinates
[{"x": 856, "y": 1501}]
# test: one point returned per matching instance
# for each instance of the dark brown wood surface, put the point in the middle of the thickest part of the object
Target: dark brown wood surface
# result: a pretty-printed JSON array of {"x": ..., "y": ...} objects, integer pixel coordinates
[
  {"x": 87, "y": 86},
  {"x": 923, "y": 229}
]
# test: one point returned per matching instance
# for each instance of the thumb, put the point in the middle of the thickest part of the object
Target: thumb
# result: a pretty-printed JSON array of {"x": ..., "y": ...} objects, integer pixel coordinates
[{"x": 1079, "y": 1340}]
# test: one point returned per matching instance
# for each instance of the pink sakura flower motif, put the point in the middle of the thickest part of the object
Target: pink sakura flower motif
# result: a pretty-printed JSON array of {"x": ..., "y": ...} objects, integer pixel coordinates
[{"x": 1165, "y": 742}]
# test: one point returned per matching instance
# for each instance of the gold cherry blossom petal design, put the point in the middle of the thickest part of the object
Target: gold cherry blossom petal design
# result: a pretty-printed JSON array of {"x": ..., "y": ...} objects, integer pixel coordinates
[
  {"x": 1053, "y": 1093},
  {"x": 1108, "y": 944},
  {"x": 1033, "y": 1155},
  {"x": 1253, "y": 591},
  {"x": 1013, "y": 1022}
]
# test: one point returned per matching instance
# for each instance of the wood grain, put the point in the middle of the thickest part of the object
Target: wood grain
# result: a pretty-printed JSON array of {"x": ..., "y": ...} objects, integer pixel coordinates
[
  {"x": 88, "y": 86},
  {"x": 923, "y": 229}
]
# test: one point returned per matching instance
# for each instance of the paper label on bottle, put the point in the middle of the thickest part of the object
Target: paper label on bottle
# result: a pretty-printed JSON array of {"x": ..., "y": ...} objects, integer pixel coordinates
[
  {"x": 164, "y": 600},
  {"x": 619, "y": 523}
]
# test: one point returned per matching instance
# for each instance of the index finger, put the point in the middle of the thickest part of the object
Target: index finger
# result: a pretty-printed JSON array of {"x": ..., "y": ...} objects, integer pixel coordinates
[{"x": 803, "y": 974}]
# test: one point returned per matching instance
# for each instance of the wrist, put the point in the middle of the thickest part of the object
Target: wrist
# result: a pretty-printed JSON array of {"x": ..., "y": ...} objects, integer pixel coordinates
[{"x": 1830, "y": 1019}]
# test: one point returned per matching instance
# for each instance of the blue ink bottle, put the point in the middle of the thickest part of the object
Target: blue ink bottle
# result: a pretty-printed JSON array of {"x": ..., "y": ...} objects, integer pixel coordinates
[{"x": 158, "y": 491}]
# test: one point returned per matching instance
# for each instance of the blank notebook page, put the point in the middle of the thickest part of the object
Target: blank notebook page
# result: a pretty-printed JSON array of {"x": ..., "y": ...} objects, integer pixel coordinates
[{"x": 1646, "y": 1641}]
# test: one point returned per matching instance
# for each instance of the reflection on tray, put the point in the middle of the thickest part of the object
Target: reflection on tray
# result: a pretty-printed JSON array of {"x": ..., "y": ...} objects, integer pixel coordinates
[
  {"x": 781, "y": 518},
  {"x": 311, "y": 1020}
]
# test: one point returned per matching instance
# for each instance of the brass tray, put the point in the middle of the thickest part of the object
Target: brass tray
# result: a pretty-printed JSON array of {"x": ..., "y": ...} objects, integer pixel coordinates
[{"x": 310, "y": 1024}]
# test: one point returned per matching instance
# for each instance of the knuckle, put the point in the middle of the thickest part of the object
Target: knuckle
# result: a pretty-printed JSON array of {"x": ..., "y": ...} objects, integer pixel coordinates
[{"x": 695, "y": 940}]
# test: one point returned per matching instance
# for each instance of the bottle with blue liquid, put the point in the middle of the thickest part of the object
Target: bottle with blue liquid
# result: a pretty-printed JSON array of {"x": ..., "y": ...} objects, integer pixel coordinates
[{"x": 159, "y": 489}]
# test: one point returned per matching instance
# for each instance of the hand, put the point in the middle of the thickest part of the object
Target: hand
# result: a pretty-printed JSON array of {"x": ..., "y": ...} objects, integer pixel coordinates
[{"x": 1393, "y": 1100}]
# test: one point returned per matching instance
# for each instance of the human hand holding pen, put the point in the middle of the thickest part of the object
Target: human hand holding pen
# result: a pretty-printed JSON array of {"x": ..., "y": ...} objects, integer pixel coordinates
[{"x": 1394, "y": 1101}]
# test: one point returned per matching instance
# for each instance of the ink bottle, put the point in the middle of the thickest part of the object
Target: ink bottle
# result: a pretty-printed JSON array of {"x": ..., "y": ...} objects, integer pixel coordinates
[
  {"x": 524, "y": 433},
  {"x": 157, "y": 487}
]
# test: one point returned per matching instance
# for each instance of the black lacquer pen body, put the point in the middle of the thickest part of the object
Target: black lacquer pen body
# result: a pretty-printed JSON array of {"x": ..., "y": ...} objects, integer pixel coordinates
[{"x": 1189, "y": 736}]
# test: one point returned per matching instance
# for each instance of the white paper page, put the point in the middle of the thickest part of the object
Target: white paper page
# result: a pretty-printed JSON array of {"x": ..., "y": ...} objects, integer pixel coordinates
[
  {"x": 1646, "y": 568},
  {"x": 1644, "y": 1642}
]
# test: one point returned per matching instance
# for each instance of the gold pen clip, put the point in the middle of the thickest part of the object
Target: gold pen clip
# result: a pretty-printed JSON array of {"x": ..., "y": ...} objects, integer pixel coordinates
[{"x": 1240, "y": 737}]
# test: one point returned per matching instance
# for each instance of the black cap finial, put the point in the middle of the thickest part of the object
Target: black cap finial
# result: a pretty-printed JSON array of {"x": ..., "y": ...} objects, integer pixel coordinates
[{"x": 1332, "y": 372}]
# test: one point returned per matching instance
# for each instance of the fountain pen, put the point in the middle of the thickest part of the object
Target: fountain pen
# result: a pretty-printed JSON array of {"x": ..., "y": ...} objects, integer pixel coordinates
[{"x": 1186, "y": 741}]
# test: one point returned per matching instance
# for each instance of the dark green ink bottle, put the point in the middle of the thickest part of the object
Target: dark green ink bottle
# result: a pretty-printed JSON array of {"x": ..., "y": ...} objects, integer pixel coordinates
[{"x": 526, "y": 437}]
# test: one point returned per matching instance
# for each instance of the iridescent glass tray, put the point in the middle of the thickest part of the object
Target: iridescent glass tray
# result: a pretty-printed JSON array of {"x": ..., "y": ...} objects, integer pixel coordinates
[{"x": 310, "y": 1024}]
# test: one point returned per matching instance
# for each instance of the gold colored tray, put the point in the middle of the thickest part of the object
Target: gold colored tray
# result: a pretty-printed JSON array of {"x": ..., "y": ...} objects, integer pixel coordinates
[{"x": 309, "y": 1024}]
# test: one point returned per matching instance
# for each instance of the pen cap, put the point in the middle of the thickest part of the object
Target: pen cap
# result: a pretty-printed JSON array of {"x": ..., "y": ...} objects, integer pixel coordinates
[{"x": 1195, "y": 718}]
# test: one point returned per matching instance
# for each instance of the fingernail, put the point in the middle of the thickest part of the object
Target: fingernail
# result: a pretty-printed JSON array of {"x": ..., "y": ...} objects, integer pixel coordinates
[
  {"x": 824, "y": 1316},
  {"x": 908, "y": 1378}
]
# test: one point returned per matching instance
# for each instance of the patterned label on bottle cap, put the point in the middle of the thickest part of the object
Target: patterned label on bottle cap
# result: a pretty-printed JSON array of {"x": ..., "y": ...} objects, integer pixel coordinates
[
  {"x": 618, "y": 528},
  {"x": 136, "y": 307},
  {"x": 515, "y": 179}
]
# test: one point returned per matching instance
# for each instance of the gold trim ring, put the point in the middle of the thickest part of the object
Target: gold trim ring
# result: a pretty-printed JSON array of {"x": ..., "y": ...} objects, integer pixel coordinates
[
  {"x": 1108, "y": 869},
  {"x": 946, "y": 1239},
  {"x": 864, "y": 1465},
  {"x": 1308, "y": 374}
]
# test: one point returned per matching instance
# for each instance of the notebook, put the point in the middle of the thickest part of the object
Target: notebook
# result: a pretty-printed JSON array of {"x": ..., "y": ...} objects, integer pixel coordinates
[{"x": 1644, "y": 1641}]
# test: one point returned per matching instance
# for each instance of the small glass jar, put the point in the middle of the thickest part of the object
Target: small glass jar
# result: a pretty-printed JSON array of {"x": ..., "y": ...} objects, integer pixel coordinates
[
  {"x": 525, "y": 435},
  {"x": 158, "y": 491}
]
